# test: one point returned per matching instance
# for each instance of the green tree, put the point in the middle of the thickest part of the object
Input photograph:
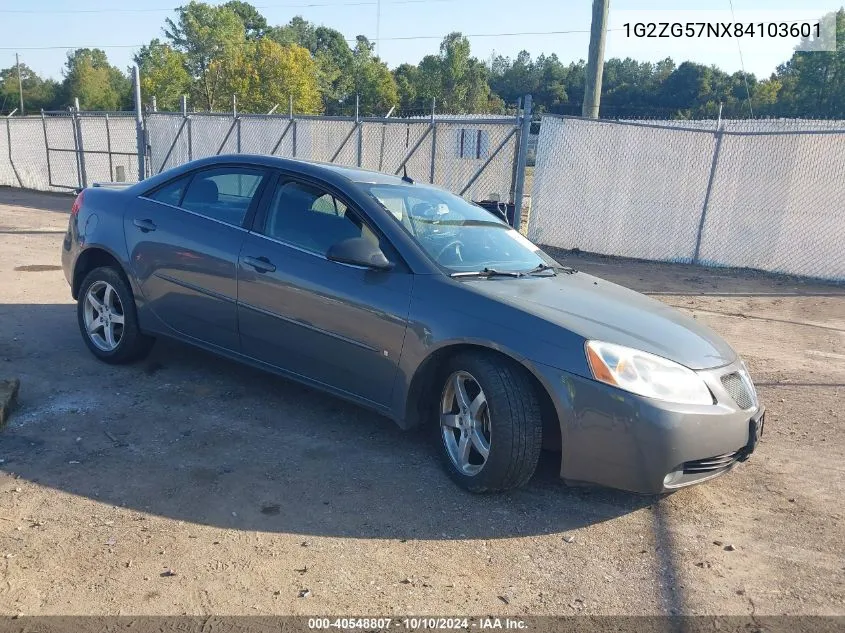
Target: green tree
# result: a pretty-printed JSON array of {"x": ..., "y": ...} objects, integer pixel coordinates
[
  {"x": 766, "y": 96},
  {"x": 429, "y": 80},
  {"x": 512, "y": 79},
  {"x": 163, "y": 74},
  {"x": 372, "y": 81},
  {"x": 298, "y": 31},
  {"x": 334, "y": 62},
  {"x": 38, "y": 93},
  {"x": 407, "y": 85},
  {"x": 98, "y": 85},
  {"x": 255, "y": 24},
  {"x": 266, "y": 73},
  {"x": 332, "y": 55},
  {"x": 456, "y": 80},
  {"x": 209, "y": 37},
  {"x": 551, "y": 94},
  {"x": 813, "y": 82}
]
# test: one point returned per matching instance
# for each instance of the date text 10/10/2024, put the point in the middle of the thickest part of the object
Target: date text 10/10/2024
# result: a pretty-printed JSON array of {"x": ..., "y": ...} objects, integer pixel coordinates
[{"x": 417, "y": 623}]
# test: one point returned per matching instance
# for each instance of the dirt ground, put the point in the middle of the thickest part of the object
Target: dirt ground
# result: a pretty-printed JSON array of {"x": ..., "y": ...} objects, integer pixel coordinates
[{"x": 251, "y": 489}]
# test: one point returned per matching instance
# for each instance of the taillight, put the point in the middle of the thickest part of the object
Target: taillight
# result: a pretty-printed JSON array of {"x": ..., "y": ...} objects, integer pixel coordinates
[{"x": 77, "y": 204}]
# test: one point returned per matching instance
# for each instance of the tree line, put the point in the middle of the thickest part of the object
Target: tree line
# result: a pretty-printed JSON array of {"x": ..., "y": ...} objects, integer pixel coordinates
[{"x": 210, "y": 52}]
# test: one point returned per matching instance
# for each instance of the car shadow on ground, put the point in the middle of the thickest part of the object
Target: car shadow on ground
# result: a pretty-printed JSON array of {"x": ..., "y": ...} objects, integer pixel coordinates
[
  {"x": 193, "y": 437},
  {"x": 57, "y": 202}
]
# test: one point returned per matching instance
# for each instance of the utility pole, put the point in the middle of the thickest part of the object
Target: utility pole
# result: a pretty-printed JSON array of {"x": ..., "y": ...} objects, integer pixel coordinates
[
  {"x": 378, "y": 23},
  {"x": 20, "y": 81},
  {"x": 595, "y": 59},
  {"x": 139, "y": 125}
]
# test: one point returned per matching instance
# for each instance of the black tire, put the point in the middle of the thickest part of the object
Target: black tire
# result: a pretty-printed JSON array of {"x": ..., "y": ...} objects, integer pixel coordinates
[
  {"x": 516, "y": 428},
  {"x": 133, "y": 344}
]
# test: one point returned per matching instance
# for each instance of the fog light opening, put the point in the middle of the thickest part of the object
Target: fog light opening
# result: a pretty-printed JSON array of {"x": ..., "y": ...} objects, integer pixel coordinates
[{"x": 672, "y": 477}]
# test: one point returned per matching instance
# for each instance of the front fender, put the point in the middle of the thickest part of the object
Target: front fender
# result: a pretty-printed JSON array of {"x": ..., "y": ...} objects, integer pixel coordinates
[{"x": 442, "y": 317}]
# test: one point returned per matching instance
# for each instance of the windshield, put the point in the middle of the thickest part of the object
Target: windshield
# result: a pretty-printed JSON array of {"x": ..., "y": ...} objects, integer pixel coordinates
[{"x": 458, "y": 235}]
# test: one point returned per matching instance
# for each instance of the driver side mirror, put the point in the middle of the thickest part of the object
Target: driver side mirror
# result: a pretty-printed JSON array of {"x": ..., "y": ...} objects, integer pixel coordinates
[{"x": 359, "y": 251}]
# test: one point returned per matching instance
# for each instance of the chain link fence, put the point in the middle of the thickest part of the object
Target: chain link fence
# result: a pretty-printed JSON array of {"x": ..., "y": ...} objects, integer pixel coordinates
[
  {"x": 474, "y": 157},
  {"x": 763, "y": 194},
  {"x": 58, "y": 151}
]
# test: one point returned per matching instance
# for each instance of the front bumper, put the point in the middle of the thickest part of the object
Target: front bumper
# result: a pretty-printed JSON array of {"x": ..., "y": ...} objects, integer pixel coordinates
[{"x": 618, "y": 439}]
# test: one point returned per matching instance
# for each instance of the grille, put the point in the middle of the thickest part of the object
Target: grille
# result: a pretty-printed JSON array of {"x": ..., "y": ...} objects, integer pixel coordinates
[
  {"x": 710, "y": 464},
  {"x": 735, "y": 386}
]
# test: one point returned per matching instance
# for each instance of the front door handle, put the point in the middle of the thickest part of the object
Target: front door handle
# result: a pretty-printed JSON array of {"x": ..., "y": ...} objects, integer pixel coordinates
[
  {"x": 261, "y": 264},
  {"x": 145, "y": 225}
]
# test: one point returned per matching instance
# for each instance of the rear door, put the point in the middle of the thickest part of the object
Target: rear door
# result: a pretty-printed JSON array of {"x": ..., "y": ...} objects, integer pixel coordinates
[
  {"x": 184, "y": 239},
  {"x": 340, "y": 325}
]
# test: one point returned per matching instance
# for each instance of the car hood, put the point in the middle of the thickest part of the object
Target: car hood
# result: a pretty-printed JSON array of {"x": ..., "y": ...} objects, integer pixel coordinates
[{"x": 597, "y": 309}]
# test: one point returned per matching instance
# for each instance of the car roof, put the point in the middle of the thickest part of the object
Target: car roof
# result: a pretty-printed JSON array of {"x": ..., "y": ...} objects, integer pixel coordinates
[{"x": 328, "y": 171}]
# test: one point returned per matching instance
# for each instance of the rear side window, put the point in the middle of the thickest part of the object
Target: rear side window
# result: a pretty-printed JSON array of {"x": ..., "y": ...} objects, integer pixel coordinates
[
  {"x": 171, "y": 193},
  {"x": 223, "y": 194}
]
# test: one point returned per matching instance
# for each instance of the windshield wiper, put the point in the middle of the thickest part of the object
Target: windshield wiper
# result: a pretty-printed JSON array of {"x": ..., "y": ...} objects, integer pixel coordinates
[
  {"x": 487, "y": 272},
  {"x": 540, "y": 268}
]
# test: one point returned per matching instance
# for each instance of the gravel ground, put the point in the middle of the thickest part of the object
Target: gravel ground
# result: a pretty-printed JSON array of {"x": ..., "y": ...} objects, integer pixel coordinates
[{"x": 190, "y": 484}]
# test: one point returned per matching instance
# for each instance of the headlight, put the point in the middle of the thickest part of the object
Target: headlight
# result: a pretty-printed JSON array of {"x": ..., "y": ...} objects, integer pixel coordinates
[
  {"x": 749, "y": 384},
  {"x": 646, "y": 374}
]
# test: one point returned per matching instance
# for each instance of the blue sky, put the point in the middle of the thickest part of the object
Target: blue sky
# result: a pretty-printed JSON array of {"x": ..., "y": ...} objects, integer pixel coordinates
[{"x": 53, "y": 23}]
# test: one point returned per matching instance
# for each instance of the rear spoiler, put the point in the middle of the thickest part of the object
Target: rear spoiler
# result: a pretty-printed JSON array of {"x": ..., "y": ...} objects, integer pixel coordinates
[
  {"x": 105, "y": 185},
  {"x": 113, "y": 185}
]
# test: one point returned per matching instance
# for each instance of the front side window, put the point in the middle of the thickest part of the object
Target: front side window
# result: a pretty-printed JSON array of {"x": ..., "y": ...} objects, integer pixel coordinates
[
  {"x": 458, "y": 235},
  {"x": 171, "y": 193},
  {"x": 223, "y": 194},
  {"x": 308, "y": 217}
]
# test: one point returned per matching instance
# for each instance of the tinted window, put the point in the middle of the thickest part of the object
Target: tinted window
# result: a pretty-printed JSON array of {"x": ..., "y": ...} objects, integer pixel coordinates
[
  {"x": 171, "y": 193},
  {"x": 311, "y": 218},
  {"x": 328, "y": 204},
  {"x": 223, "y": 194}
]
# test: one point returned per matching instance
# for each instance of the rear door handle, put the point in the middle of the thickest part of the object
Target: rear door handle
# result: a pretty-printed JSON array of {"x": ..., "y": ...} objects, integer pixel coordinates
[
  {"x": 145, "y": 225},
  {"x": 261, "y": 264}
]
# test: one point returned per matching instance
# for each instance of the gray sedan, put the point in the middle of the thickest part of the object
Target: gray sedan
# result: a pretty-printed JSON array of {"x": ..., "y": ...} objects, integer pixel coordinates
[{"x": 404, "y": 298}]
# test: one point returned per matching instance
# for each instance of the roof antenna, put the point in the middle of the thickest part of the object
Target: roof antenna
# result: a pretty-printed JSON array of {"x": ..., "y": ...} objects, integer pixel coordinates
[{"x": 405, "y": 176}]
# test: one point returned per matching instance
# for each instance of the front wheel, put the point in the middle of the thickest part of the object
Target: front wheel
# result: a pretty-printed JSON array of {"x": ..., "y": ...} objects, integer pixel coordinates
[
  {"x": 489, "y": 421},
  {"x": 107, "y": 318}
]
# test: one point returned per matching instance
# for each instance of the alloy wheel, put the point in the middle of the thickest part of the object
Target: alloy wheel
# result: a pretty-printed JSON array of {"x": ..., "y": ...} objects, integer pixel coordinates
[
  {"x": 104, "y": 317},
  {"x": 465, "y": 423}
]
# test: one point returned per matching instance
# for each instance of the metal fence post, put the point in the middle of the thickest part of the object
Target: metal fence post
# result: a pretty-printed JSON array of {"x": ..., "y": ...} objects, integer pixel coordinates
[
  {"x": 360, "y": 130},
  {"x": 46, "y": 150},
  {"x": 11, "y": 160},
  {"x": 716, "y": 149},
  {"x": 522, "y": 159},
  {"x": 236, "y": 123},
  {"x": 139, "y": 126},
  {"x": 190, "y": 133},
  {"x": 433, "y": 142},
  {"x": 80, "y": 148},
  {"x": 108, "y": 148}
]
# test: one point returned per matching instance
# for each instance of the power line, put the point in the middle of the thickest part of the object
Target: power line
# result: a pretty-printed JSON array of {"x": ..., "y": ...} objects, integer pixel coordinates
[
  {"x": 742, "y": 65},
  {"x": 383, "y": 39},
  {"x": 354, "y": 3},
  {"x": 49, "y": 48},
  {"x": 440, "y": 37}
]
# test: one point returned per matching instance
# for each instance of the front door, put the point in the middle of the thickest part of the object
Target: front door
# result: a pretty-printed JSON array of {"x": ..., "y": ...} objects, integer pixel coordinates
[
  {"x": 340, "y": 325},
  {"x": 183, "y": 241}
]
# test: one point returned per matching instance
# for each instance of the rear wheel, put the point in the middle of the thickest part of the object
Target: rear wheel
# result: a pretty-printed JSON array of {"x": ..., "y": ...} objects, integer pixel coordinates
[
  {"x": 489, "y": 422},
  {"x": 107, "y": 318}
]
